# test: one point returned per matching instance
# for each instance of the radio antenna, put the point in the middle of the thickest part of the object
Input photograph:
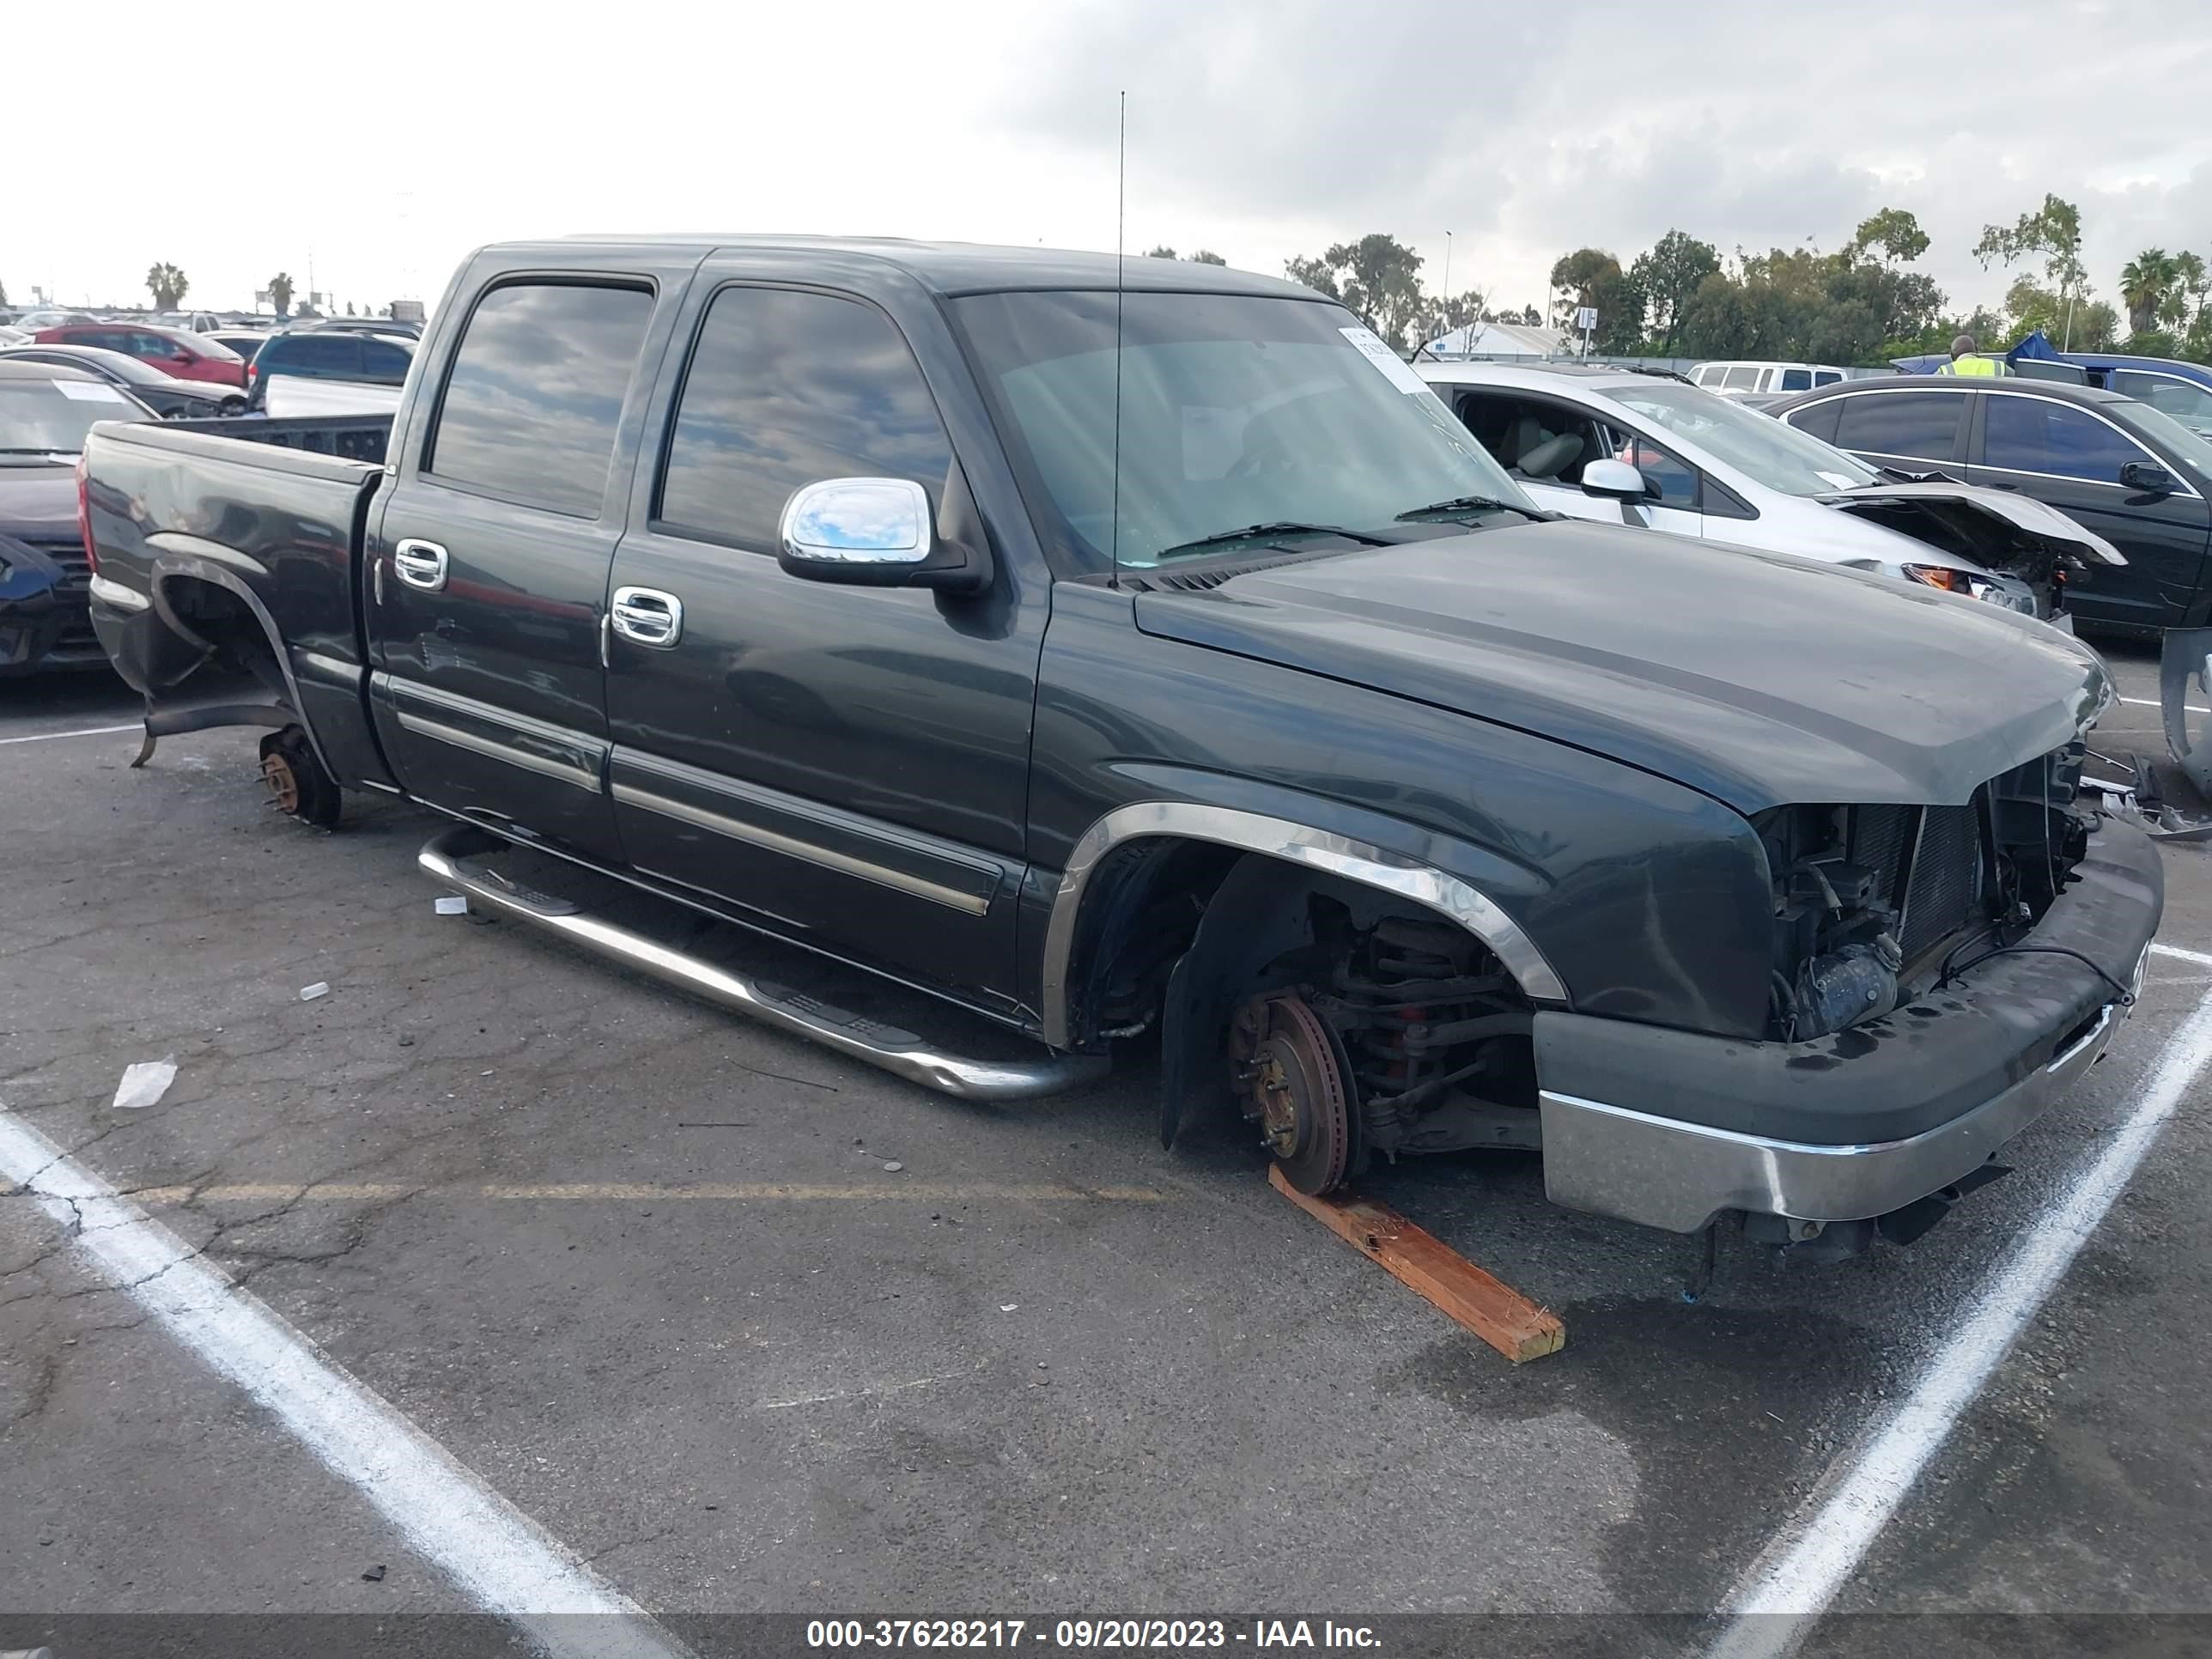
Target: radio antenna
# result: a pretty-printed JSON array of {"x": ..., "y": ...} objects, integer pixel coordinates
[{"x": 1121, "y": 235}]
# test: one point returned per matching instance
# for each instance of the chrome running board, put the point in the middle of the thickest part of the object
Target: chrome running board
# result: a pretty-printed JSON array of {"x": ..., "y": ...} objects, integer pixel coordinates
[{"x": 451, "y": 858}]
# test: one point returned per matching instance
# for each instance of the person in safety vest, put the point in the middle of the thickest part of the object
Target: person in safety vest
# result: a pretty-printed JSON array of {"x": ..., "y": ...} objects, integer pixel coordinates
[{"x": 1964, "y": 360}]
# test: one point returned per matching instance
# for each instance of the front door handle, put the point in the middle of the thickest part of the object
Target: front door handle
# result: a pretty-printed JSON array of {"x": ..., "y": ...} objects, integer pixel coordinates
[
  {"x": 645, "y": 616},
  {"x": 420, "y": 564}
]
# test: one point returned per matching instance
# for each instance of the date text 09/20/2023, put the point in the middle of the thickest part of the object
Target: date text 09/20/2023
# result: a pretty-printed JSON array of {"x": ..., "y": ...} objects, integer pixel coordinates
[{"x": 1168, "y": 1634}]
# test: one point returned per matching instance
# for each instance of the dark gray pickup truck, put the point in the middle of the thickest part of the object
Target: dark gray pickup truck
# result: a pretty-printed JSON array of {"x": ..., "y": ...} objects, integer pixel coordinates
[{"x": 1166, "y": 662}]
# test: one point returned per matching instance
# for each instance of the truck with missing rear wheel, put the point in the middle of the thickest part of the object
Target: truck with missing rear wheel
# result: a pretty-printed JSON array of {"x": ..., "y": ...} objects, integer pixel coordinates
[{"x": 1150, "y": 658}]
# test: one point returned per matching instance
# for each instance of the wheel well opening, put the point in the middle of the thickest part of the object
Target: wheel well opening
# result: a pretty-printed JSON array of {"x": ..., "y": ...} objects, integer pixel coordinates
[
  {"x": 1411, "y": 1019},
  {"x": 225, "y": 626}
]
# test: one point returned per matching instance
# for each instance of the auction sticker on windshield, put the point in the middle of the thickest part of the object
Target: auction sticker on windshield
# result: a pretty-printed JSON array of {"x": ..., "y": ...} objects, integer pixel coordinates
[
  {"x": 1392, "y": 367},
  {"x": 88, "y": 391}
]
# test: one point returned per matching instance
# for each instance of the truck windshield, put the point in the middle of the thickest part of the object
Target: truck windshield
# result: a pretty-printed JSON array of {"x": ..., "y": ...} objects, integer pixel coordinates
[
  {"x": 1771, "y": 451},
  {"x": 51, "y": 417},
  {"x": 1236, "y": 411}
]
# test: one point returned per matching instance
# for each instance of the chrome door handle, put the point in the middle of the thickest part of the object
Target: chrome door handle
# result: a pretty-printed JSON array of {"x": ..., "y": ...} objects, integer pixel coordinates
[
  {"x": 420, "y": 564},
  {"x": 645, "y": 616}
]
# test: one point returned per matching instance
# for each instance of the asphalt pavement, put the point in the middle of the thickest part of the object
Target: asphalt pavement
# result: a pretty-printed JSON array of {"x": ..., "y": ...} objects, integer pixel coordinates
[{"x": 737, "y": 1327}]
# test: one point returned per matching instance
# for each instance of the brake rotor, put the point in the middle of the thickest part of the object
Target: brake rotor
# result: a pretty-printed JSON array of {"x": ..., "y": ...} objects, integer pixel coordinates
[
  {"x": 283, "y": 783},
  {"x": 1294, "y": 1086}
]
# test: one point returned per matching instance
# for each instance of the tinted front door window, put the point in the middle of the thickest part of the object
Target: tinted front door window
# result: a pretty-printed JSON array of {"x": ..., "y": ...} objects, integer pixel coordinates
[
  {"x": 536, "y": 392},
  {"x": 1924, "y": 424},
  {"x": 2029, "y": 434},
  {"x": 788, "y": 389}
]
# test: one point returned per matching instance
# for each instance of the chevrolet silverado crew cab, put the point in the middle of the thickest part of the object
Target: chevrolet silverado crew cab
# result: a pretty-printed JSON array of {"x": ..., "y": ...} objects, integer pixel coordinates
[{"x": 1163, "y": 659}]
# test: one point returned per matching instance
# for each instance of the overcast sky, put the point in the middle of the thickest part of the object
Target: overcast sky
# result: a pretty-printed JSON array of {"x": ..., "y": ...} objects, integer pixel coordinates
[{"x": 377, "y": 145}]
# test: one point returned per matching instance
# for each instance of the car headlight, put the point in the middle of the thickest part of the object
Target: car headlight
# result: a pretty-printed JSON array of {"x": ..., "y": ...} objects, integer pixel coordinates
[{"x": 2013, "y": 596}]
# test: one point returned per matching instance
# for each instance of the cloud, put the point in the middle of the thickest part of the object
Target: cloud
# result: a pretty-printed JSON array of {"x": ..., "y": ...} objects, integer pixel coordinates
[{"x": 1267, "y": 128}]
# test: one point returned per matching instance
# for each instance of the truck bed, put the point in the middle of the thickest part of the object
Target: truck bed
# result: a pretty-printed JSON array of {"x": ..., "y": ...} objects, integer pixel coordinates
[{"x": 252, "y": 530}]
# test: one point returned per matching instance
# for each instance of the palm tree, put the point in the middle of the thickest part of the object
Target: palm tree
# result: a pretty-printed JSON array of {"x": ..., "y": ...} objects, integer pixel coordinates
[
  {"x": 280, "y": 292},
  {"x": 2145, "y": 281},
  {"x": 169, "y": 285}
]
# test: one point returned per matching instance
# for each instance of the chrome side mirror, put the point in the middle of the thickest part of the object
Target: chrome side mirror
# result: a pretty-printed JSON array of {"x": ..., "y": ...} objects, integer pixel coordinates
[
  {"x": 874, "y": 533},
  {"x": 1614, "y": 481}
]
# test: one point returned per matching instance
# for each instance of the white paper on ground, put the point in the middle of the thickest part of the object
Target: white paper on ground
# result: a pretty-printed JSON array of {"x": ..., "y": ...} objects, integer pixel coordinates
[
  {"x": 144, "y": 1083},
  {"x": 455, "y": 905},
  {"x": 309, "y": 992}
]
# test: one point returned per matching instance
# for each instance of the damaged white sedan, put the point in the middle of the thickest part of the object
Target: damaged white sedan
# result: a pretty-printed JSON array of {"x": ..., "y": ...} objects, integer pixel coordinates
[{"x": 1616, "y": 444}]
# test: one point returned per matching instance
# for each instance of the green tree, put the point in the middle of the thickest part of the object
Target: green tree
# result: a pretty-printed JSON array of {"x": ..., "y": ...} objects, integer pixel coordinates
[
  {"x": 1668, "y": 276},
  {"x": 169, "y": 285},
  {"x": 3, "y": 294},
  {"x": 1591, "y": 276},
  {"x": 280, "y": 293},
  {"x": 1207, "y": 256},
  {"x": 2054, "y": 230},
  {"x": 1378, "y": 277},
  {"x": 1895, "y": 232},
  {"x": 2185, "y": 299},
  {"x": 2146, "y": 282}
]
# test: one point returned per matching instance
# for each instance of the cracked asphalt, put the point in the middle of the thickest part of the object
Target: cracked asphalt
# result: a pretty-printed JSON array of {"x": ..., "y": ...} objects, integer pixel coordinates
[{"x": 643, "y": 1269}]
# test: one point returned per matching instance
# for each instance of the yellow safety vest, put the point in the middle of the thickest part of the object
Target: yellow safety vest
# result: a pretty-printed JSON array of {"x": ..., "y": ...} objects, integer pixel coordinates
[{"x": 1972, "y": 364}]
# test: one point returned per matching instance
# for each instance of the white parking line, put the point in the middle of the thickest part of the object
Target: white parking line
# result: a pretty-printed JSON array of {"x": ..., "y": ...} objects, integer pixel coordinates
[
  {"x": 1777, "y": 1602},
  {"x": 2153, "y": 703},
  {"x": 492, "y": 1550},
  {"x": 84, "y": 732}
]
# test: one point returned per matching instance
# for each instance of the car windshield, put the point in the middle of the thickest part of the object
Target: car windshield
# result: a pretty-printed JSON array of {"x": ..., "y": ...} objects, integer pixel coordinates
[
  {"x": 1771, "y": 451},
  {"x": 52, "y": 416},
  {"x": 1236, "y": 411},
  {"x": 2191, "y": 446}
]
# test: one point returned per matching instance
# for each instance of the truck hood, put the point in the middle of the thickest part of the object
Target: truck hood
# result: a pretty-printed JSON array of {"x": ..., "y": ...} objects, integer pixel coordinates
[{"x": 1757, "y": 678}]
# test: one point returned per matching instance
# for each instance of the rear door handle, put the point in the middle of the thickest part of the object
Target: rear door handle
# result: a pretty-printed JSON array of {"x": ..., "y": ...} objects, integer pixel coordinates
[
  {"x": 645, "y": 616},
  {"x": 420, "y": 564}
]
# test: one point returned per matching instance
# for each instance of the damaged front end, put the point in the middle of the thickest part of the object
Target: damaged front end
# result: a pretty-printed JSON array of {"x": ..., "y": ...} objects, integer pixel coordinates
[
  {"x": 1939, "y": 975},
  {"x": 1876, "y": 903}
]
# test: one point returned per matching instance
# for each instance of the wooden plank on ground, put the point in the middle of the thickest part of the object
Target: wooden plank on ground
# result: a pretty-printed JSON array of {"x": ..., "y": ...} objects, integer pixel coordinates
[{"x": 1496, "y": 1312}]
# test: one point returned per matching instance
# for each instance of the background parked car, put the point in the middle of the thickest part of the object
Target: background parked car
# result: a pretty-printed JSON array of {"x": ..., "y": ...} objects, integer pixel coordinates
[
  {"x": 45, "y": 576},
  {"x": 246, "y": 341},
  {"x": 36, "y": 320},
  {"x": 1736, "y": 379},
  {"x": 2130, "y": 472},
  {"x": 1702, "y": 465},
  {"x": 360, "y": 325},
  {"x": 166, "y": 395},
  {"x": 329, "y": 354},
  {"x": 173, "y": 350},
  {"x": 192, "y": 322}
]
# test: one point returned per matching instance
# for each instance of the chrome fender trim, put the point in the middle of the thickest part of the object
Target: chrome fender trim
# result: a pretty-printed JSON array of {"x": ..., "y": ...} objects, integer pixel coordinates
[{"x": 1333, "y": 854}]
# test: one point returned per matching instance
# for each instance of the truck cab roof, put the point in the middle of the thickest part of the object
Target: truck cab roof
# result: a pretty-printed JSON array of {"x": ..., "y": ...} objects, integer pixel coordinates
[{"x": 946, "y": 268}]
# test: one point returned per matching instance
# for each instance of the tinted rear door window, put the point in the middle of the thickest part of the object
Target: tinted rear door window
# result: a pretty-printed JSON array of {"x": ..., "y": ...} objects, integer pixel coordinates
[
  {"x": 384, "y": 363},
  {"x": 786, "y": 389},
  {"x": 1921, "y": 424},
  {"x": 1796, "y": 380},
  {"x": 1819, "y": 420},
  {"x": 2029, "y": 434},
  {"x": 536, "y": 392},
  {"x": 321, "y": 355}
]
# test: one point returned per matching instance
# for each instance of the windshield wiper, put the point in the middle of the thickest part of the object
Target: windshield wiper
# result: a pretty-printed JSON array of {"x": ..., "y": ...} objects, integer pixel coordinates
[
  {"x": 1460, "y": 506},
  {"x": 1279, "y": 527},
  {"x": 43, "y": 450}
]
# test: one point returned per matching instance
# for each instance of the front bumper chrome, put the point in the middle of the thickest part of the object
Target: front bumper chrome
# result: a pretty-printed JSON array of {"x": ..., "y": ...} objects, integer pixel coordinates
[{"x": 1665, "y": 1173}]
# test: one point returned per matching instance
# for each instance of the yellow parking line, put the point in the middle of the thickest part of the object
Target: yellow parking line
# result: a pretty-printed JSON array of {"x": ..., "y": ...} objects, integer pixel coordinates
[{"x": 627, "y": 1191}]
